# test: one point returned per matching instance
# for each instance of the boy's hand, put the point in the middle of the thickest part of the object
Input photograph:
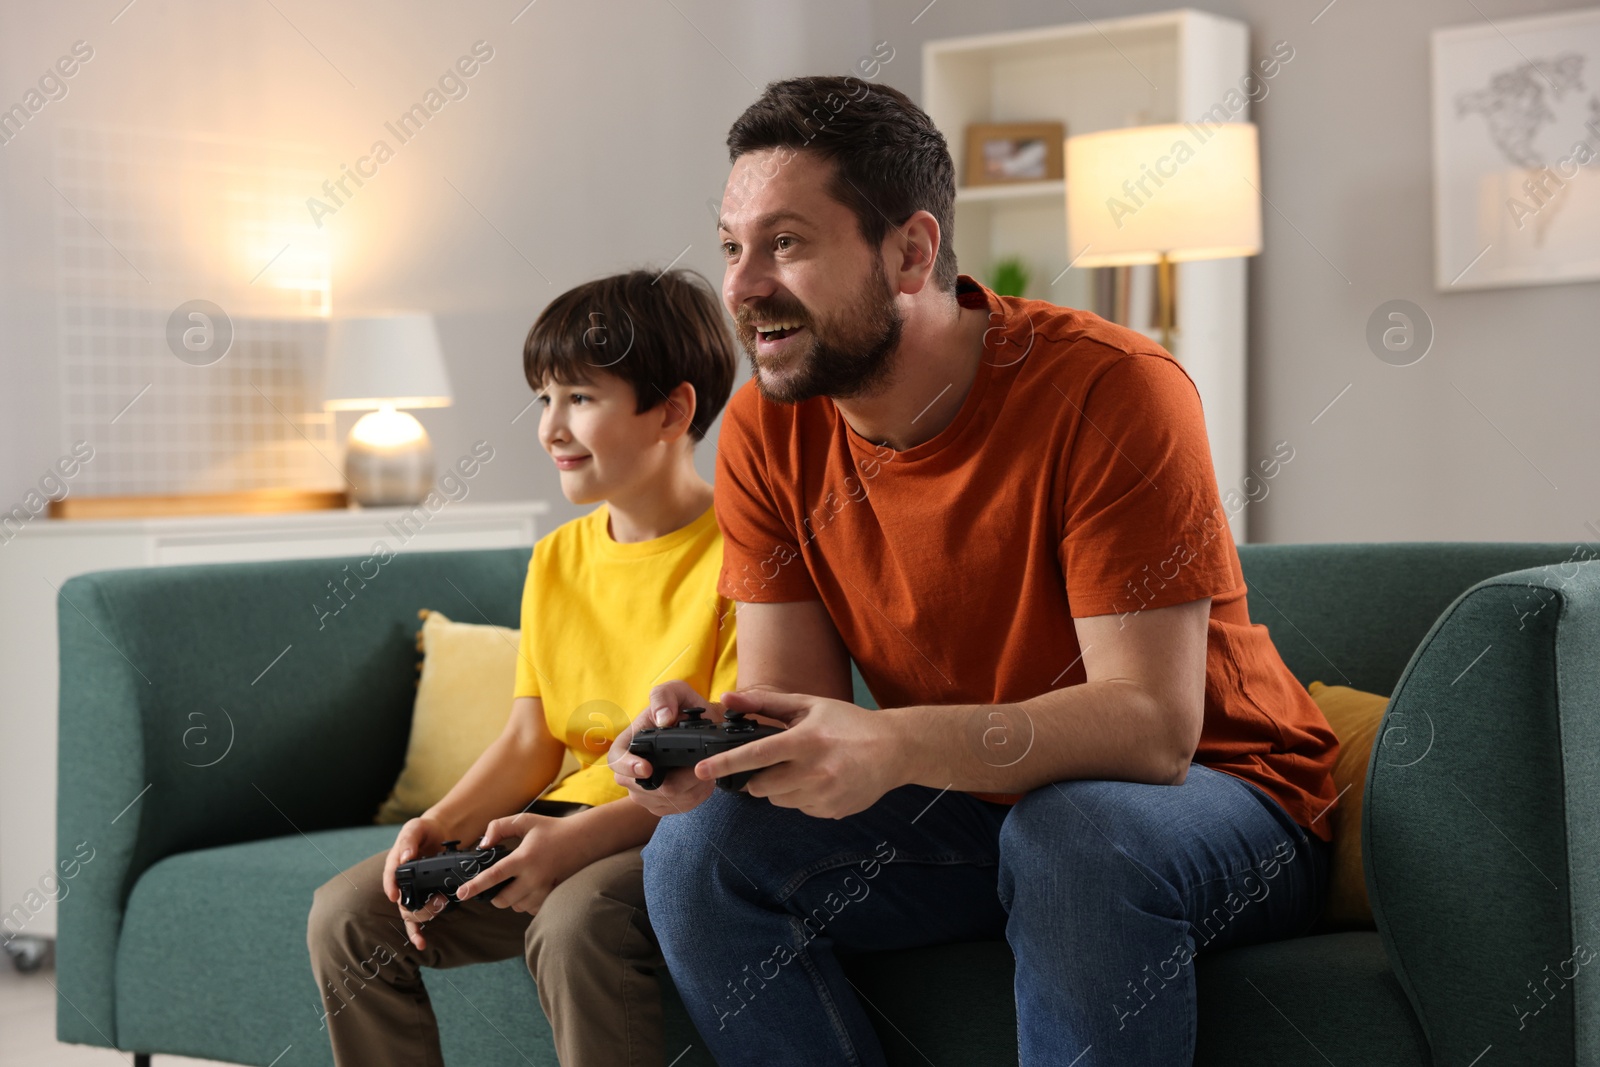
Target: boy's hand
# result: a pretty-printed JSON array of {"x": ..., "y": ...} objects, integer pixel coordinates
[
  {"x": 534, "y": 867},
  {"x": 422, "y": 836},
  {"x": 680, "y": 790}
]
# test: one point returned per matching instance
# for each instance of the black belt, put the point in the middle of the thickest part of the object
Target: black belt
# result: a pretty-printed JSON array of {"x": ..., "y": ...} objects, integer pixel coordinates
[{"x": 555, "y": 808}]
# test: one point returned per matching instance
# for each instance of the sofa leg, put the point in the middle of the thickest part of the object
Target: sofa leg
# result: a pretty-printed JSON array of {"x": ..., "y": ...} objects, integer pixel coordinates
[{"x": 141, "y": 1059}]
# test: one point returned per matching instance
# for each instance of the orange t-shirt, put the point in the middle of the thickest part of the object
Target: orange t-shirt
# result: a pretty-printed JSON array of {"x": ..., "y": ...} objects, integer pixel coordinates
[{"x": 1076, "y": 480}]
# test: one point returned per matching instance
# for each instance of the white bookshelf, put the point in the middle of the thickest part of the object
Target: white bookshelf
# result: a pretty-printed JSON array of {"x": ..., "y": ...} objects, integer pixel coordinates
[
  {"x": 1106, "y": 74},
  {"x": 1047, "y": 190}
]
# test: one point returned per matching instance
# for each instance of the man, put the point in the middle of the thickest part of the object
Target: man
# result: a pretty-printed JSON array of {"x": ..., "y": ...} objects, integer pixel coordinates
[{"x": 1005, "y": 512}]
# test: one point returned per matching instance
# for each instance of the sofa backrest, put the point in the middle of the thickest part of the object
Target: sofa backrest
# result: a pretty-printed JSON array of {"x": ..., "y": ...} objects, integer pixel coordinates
[
  {"x": 1352, "y": 614},
  {"x": 175, "y": 648},
  {"x": 302, "y": 671}
]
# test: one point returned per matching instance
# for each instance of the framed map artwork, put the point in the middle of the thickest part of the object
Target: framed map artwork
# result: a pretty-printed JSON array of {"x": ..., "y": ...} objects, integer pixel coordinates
[{"x": 1516, "y": 151}]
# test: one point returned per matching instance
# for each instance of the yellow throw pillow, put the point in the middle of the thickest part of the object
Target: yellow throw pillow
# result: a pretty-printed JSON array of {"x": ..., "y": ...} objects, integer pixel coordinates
[
  {"x": 1355, "y": 717},
  {"x": 468, "y": 673}
]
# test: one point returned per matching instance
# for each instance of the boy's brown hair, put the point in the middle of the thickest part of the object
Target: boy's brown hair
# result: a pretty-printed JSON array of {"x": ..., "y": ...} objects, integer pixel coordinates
[{"x": 653, "y": 330}]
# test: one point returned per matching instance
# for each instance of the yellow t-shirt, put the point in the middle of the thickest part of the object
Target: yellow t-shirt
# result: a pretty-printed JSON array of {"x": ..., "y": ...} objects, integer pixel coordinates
[{"x": 603, "y": 622}]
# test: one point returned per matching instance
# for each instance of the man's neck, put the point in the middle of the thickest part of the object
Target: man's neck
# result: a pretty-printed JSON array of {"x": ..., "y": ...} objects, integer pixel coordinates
[{"x": 934, "y": 367}]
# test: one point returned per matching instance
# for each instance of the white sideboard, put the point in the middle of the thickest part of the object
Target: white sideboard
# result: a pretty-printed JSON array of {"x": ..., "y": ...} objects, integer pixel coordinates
[{"x": 35, "y": 563}]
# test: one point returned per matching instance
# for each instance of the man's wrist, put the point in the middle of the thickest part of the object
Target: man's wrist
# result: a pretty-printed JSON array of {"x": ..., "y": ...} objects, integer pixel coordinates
[
  {"x": 899, "y": 747},
  {"x": 938, "y": 745}
]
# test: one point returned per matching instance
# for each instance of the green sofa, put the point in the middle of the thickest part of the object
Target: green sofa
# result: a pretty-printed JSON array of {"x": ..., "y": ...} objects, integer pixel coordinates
[{"x": 223, "y": 748}]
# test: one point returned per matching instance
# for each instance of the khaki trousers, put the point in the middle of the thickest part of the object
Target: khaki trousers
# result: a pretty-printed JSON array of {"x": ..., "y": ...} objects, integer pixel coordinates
[{"x": 589, "y": 949}]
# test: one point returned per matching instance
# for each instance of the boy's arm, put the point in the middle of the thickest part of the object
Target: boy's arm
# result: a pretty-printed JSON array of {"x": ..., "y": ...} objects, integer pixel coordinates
[
  {"x": 597, "y": 833},
  {"x": 791, "y": 646},
  {"x": 550, "y": 849},
  {"x": 521, "y": 762}
]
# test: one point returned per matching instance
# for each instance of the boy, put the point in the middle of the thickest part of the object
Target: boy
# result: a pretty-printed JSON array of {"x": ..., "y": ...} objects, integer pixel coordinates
[{"x": 630, "y": 371}]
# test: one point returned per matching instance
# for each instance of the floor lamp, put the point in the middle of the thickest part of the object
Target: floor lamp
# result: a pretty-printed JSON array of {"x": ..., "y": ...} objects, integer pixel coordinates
[{"x": 1163, "y": 195}]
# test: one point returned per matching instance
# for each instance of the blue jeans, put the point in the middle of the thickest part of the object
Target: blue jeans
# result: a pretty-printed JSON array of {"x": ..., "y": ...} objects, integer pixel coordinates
[{"x": 1104, "y": 890}]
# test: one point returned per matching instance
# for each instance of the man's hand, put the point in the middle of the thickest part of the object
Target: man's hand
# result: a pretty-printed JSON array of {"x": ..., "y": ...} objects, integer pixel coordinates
[
  {"x": 834, "y": 760},
  {"x": 680, "y": 790},
  {"x": 536, "y": 864},
  {"x": 422, "y": 836}
]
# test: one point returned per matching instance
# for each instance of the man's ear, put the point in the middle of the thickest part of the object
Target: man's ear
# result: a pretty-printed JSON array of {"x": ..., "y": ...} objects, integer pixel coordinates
[
  {"x": 677, "y": 411},
  {"x": 913, "y": 247}
]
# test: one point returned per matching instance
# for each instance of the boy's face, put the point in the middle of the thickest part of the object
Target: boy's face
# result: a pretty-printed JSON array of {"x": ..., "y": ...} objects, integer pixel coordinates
[
  {"x": 601, "y": 446},
  {"x": 795, "y": 257}
]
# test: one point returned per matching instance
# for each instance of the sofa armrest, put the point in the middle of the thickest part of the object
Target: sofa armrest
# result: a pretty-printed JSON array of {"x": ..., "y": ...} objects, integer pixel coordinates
[
  {"x": 207, "y": 705},
  {"x": 1481, "y": 828}
]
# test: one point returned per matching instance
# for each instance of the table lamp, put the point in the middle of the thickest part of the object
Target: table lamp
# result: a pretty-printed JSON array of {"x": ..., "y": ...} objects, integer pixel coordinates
[
  {"x": 1164, "y": 195},
  {"x": 380, "y": 364}
]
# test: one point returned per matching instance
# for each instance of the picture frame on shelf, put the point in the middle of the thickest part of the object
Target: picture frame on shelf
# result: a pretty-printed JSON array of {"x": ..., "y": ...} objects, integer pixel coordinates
[{"x": 999, "y": 153}]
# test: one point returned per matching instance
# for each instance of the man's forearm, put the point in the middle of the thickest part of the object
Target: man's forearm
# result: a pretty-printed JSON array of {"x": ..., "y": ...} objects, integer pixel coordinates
[{"x": 1111, "y": 730}]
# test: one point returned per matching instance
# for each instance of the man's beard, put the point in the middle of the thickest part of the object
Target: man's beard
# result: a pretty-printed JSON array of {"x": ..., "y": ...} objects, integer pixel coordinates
[{"x": 850, "y": 354}]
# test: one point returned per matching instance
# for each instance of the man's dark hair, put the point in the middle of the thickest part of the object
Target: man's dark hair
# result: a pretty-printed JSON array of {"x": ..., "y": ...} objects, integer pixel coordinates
[
  {"x": 653, "y": 330},
  {"x": 890, "y": 159}
]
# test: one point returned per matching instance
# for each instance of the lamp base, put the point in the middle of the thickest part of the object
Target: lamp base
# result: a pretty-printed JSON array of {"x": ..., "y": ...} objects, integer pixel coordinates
[
  {"x": 1166, "y": 300},
  {"x": 388, "y": 460}
]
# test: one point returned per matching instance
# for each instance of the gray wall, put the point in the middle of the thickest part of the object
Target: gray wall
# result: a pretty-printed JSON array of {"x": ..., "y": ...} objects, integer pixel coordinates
[
  {"x": 591, "y": 141},
  {"x": 594, "y": 139},
  {"x": 1346, "y": 150}
]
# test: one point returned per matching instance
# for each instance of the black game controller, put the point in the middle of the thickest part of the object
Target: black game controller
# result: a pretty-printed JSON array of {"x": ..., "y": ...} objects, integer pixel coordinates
[
  {"x": 691, "y": 740},
  {"x": 420, "y": 879}
]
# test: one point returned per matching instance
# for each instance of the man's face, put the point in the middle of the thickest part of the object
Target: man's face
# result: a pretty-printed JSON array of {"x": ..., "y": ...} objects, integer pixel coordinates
[{"x": 810, "y": 300}]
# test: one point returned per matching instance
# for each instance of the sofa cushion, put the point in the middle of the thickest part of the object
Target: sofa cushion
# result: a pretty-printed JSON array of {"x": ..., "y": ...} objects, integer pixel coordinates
[
  {"x": 955, "y": 1004},
  {"x": 1355, "y": 717},
  {"x": 212, "y": 962},
  {"x": 1313, "y": 1000},
  {"x": 463, "y": 700},
  {"x": 467, "y": 671}
]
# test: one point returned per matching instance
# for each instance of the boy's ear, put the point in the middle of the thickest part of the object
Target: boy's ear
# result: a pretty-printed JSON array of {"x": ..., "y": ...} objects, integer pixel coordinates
[{"x": 677, "y": 411}]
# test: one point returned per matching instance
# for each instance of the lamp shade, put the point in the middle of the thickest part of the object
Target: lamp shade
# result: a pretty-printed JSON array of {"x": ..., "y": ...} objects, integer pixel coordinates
[
  {"x": 385, "y": 359},
  {"x": 1189, "y": 191}
]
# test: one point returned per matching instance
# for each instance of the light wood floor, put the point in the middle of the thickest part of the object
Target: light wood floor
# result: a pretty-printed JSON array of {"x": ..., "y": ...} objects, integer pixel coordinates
[{"x": 28, "y": 1028}]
